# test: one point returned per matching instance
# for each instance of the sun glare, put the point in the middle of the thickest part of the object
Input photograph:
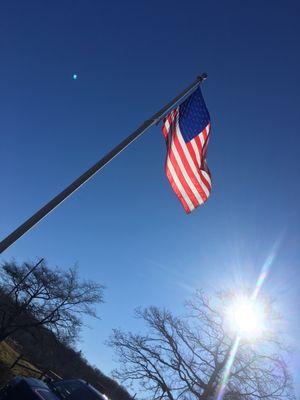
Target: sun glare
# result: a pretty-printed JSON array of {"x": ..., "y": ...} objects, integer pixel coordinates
[{"x": 246, "y": 318}]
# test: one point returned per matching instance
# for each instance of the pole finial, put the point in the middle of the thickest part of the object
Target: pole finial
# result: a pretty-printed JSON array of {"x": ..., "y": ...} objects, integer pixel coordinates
[{"x": 202, "y": 77}]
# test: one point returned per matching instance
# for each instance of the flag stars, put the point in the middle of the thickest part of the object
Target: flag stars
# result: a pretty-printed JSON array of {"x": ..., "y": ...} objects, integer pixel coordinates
[{"x": 193, "y": 116}]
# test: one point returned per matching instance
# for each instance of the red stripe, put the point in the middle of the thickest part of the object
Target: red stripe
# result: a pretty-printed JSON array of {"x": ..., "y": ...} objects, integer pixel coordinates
[
  {"x": 170, "y": 119},
  {"x": 194, "y": 158},
  {"x": 205, "y": 181},
  {"x": 182, "y": 180},
  {"x": 165, "y": 132},
  {"x": 198, "y": 142},
  {"x": 193, "y": 154},
  {"x": 199, "y": 145},
  {"x": 176, "y": 190},
  {"x": 188, "y": 168}
]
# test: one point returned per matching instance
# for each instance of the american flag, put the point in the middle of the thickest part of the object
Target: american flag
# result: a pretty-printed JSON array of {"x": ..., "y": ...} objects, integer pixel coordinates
[{"x": 186, "y": 130}]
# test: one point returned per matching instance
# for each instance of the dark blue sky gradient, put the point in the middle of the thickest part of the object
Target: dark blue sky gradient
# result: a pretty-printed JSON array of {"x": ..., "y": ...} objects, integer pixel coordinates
[{"x": 125, "y": 228}]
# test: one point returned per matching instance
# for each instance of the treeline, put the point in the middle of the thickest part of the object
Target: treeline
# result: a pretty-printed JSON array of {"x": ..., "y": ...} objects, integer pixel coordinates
[{"x": 41, "y": 310}]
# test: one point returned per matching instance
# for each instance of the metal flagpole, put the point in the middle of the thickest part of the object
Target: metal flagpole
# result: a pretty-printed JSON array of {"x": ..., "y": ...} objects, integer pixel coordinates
[{"x": 47, "y": 208}]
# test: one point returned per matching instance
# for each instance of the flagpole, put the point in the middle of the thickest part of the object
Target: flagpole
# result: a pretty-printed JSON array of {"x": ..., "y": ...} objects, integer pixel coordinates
[{"x": 47, "y": 208}]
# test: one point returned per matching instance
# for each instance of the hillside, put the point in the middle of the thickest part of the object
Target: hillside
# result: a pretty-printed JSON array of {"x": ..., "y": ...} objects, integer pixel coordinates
[
  {"x": 7, "y": 357},
  {"x": 50, "y": 354}
]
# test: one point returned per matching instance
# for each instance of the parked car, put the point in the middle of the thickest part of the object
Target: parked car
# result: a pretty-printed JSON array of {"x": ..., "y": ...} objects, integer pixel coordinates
[{"x": 21, "y": 388}]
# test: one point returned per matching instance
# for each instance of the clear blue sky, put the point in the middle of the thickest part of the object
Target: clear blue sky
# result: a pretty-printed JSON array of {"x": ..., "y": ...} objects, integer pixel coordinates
[{"x": 125, "y": 228}]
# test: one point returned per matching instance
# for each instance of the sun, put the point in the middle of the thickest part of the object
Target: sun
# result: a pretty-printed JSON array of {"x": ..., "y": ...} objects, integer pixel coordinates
[{"x": 246, "y": 317}]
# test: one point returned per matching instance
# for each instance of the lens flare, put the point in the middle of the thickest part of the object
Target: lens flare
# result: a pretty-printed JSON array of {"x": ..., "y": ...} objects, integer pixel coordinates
[
  {"x": 247, "y": 319},
  {"x": 222, "y": 388}
]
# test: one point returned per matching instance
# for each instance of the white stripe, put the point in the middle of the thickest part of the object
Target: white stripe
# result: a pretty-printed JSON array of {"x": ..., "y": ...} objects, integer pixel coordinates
[
  {"x": 201, "y": 136},
  {"x": 201, "y": 139},
  {"x": 196, "y": 150},
  {"x": 206, "y": 176},
  {"x": 185, "y": 174},
  {"x": 173, "y": 113},
  {"x": 167, "y": 125},
  {"x": 178, "y": 184},
  {"x": 190, "y": 161}
]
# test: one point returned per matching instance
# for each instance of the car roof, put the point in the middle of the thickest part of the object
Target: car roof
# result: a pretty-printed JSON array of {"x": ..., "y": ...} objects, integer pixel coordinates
[
  {"x": 37, "y": 383},
  {"x": 86, "y": 384}
]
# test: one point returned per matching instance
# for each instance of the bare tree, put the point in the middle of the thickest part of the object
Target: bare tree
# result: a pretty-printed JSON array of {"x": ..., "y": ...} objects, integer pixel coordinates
[
  {"x": 32, "y": 298},
  {"x": 186, "y": 357}
]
